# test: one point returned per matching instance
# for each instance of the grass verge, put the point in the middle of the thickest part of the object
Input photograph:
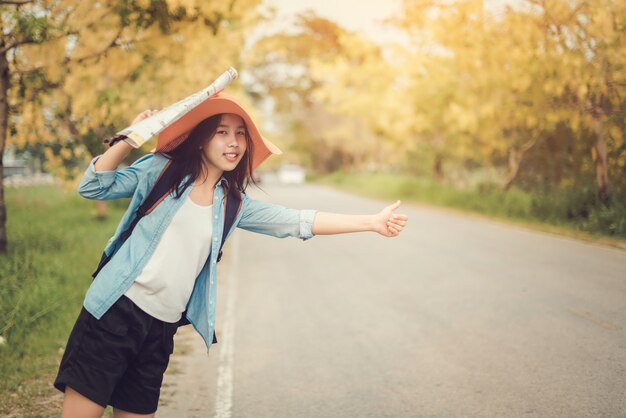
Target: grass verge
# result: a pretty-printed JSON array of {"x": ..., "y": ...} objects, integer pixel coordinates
[{"x": 54, "y": 245}]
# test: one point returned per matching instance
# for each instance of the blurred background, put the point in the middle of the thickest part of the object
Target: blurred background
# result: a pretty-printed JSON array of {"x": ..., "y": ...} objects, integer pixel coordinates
[
  {"x": 510, "y": 108},
  {"x": 520, "y": 96}
]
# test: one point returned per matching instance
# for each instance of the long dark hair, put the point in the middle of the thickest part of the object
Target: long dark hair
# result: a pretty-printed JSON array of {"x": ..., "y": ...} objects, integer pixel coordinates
[{"x": 187, "y": 159}]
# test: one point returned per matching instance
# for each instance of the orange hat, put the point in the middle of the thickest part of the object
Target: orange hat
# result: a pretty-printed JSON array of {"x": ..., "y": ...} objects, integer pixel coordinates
[{"x": 177, "y": 132}]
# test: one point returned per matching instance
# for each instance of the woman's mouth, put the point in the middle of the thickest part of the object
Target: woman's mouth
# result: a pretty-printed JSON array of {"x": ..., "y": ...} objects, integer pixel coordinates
[{"x": 231, "y": 156}]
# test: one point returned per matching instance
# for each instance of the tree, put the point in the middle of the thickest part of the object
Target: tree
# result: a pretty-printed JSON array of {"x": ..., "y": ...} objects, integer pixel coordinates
[
  {"x": 313, "y": 130},
  {"x": 363, "y": 84},
  {"x": 538, "y": 72}
]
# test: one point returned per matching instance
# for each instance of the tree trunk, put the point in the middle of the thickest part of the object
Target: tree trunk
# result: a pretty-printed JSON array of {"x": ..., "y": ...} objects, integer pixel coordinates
[
  {"x": 602, "y": 175},
  {"x": 4, "y": 124},
  {"x": 515, "y": 160},
  {"x": 516, "y": 157},
  {"x": 101, "y": 210},
  {"x": 437, "y": 143},
  {"x": 438, "y": 167}
]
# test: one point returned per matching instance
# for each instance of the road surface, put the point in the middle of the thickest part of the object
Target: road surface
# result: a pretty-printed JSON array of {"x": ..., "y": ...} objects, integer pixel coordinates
[{"x": 458, "y": 317}]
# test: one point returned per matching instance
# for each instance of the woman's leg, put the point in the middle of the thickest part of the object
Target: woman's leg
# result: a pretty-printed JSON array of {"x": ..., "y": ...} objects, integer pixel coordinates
[
  {"x": 76, "y": 405},
  {"x": 118, "y": 413}
]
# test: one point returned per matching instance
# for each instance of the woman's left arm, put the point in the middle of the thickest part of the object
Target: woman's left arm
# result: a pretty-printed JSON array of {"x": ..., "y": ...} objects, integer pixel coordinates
[
  {"x": 279, "y": 221},
  {"x": 386, "y": 222}
]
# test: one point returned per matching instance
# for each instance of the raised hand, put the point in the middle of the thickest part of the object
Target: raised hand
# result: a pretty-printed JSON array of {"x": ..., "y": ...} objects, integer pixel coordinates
[
  {"x": 389, "y": 223},
  {"x": 137, "y": 142},
  {"x": 144, "y": 115}
]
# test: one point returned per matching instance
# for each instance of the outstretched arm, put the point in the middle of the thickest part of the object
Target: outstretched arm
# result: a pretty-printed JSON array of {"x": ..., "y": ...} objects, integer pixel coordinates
[{"x": 386, "y": 222}]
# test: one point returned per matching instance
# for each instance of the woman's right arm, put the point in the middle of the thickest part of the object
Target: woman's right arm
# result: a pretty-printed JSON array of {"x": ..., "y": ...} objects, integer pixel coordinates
[
  {"x": 102, "y": 180},
  {"x": 112, "y": 157},
  {"x": 116, "y": 154}
]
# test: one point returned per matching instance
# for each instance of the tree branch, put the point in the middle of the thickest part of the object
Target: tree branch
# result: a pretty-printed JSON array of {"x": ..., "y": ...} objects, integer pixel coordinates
[
  {"x": 516, "y": 157},
  {"x": 16, "y": 2},
  {"x": 68, "y": 60},
  {"x": 15, "y": 44},
  {"x": 71, "y": 126},
  {"x": 96, "y": 54},
  {"x": 27, "y": 70}
]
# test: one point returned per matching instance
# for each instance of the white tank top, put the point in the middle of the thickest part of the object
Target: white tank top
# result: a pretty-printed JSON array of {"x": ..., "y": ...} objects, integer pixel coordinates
[{"x": 164, "y": 286}]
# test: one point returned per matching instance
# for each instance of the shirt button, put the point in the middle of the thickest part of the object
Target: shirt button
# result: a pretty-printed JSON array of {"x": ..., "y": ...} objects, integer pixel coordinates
[
  {"x": 215, "y": 239},
  {"x": 211, "y": 281},
  {"x": 215, "y": 216},
  {"x": 213, "y": 261}
]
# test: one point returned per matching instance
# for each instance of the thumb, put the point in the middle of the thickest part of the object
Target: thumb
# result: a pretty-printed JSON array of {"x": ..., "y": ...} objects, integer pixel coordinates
[{"x": 395, "y": 205}]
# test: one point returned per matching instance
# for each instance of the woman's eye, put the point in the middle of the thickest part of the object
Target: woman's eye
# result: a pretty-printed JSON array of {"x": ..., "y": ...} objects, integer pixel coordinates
[
  {"x": 221, "y": 132},
  {"x": 241, "y": 133}
]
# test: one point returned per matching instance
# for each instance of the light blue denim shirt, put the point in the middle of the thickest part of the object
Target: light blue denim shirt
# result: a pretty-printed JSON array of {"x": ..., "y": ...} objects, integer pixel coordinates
[{"x": 136, "y": 181}]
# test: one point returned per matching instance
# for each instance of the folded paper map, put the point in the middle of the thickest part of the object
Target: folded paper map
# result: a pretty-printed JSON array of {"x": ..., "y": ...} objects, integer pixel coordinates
[{"x": 142, "y": 131}]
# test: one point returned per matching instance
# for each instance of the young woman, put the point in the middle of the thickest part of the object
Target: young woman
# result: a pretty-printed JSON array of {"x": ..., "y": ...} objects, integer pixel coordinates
[{"x": 164, "y": 273}]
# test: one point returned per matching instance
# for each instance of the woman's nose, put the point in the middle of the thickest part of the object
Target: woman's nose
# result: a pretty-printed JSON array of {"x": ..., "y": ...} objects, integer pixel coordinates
[{"x": 232, "y": 141}]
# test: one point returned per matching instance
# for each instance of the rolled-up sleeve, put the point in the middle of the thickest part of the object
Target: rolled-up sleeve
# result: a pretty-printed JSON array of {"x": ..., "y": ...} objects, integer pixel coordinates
[
  {"x": 105, "y": 185},
  {"x": 307, "y": 216},
  {"x": 276, "y": 220}
]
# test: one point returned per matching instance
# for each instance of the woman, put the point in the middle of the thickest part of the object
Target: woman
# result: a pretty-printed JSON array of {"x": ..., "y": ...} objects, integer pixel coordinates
[{"x": 164, "y": 273}]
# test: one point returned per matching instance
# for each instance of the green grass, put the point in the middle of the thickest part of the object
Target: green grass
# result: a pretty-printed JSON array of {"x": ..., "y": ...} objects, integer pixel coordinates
[
  {"x": 54, "y": 245},
  {"x": 575, "y": 213}
]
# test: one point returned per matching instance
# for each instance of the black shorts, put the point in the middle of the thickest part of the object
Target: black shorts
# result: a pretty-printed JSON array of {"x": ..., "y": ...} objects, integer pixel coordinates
[{"x": 118, "y": 360}]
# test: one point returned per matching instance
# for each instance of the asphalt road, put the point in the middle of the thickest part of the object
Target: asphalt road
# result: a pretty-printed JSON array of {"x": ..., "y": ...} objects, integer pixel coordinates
[{"x": 458, "y": 317}]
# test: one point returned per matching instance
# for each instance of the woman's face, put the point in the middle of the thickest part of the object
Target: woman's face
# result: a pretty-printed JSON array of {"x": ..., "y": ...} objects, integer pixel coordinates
[{"x": 226, "y": 148}]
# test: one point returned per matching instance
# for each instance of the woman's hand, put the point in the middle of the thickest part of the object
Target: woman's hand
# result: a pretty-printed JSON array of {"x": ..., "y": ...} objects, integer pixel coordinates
[
  {"x": 137, "y": 141},
  {"x": 144, "y": 115},
  {"x": 388, "y": 223}
]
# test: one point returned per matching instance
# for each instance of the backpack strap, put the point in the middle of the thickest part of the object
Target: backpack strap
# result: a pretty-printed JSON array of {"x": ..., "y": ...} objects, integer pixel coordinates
[
  {"x": 232, "y": 205},
  {"x": 159, "y": 191}
]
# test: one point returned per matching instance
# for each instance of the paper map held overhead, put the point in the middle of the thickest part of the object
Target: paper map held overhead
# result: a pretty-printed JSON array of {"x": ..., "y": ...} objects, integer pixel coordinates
[{"x": 142, "y": 131}]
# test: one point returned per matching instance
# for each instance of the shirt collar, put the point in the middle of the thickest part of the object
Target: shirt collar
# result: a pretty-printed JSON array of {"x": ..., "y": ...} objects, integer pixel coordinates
[{"x": 223, "y": 182}]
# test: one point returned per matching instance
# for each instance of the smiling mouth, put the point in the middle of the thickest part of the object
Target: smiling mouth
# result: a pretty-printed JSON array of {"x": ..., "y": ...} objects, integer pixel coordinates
[{"x": 231, "y": 156}]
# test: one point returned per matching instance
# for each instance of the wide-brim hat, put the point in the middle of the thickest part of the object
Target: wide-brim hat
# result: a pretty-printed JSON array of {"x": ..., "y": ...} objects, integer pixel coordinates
[{"x": 177, "y": 132}]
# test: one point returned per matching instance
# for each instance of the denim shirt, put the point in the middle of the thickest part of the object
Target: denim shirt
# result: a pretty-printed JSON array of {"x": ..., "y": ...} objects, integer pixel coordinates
[{"x": 120, "y": 272}]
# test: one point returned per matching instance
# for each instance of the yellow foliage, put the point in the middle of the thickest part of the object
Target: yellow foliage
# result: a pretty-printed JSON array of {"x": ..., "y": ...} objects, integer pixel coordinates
[
  {"x": 107, "y": 74},
  {"x": 582, "y": 91},
  {"x": 472, "y": 85},
  {"x": 616, "y": 133},
  {"x": 66, "y": 153}
]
